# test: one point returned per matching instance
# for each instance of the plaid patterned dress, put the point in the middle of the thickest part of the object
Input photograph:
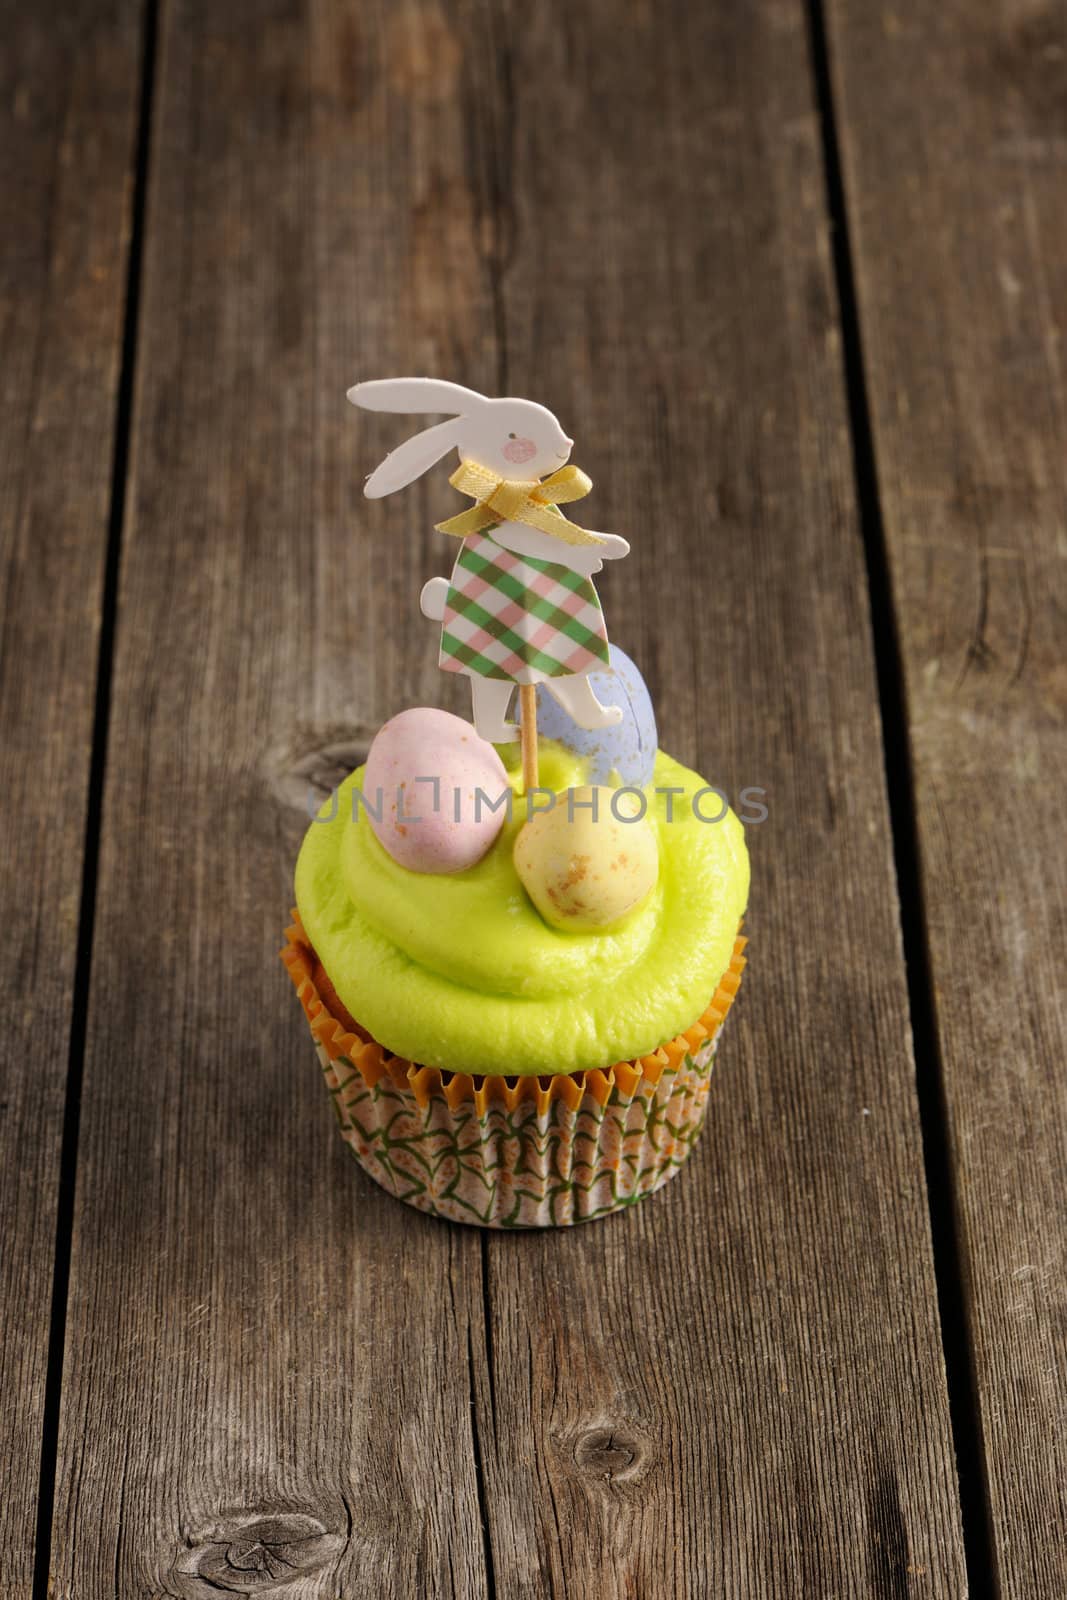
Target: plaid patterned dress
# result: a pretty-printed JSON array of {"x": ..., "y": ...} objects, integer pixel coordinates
[{"x": 516, "y": 617}]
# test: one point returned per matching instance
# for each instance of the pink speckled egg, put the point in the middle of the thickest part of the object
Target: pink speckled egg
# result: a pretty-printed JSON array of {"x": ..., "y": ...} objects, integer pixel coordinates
[{"x": 424, "y": 773}]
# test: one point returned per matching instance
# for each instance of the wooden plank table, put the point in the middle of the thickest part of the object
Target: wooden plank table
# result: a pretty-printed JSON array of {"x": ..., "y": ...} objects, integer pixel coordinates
[
  {"x": 796, "y": 283},
  {"x": 955, "y": 143},
  {"x": 68, "y": 124}
]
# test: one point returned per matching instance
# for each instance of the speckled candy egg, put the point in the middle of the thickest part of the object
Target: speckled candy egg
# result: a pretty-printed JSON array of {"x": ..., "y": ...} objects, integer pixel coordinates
[
  {"x": 586, "y": 871},
  {"x": 628, "y": 750},
  {"x": 428, "y": 765}
]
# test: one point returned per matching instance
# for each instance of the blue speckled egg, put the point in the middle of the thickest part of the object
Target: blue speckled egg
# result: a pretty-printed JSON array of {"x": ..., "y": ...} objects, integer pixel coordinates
[{"x": 624, "y": 754}]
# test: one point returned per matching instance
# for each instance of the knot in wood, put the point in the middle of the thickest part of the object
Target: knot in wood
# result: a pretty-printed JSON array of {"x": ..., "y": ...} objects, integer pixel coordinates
[
  {"x": 303, "y": 777},
  {"x": 612, "y": 1454},
  {"x": 254, "y": 1554}
]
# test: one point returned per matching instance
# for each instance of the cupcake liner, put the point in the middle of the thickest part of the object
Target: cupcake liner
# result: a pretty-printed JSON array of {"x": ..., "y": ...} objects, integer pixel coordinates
[{"x": 512, "y": 1152}]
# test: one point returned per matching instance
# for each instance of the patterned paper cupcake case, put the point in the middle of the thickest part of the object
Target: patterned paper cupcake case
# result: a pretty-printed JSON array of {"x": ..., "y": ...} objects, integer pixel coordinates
[{"x": 518, "y": 1152}]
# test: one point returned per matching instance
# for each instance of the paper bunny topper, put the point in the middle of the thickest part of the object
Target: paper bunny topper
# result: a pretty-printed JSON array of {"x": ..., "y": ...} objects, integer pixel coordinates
[
  {"x": 519, "y": 606},
  {"x": 514, "y": 438},
  {"x": 506, "y": 447}
]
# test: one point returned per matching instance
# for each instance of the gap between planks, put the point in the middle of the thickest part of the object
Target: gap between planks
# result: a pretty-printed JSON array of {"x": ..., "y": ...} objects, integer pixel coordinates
[
  {"x": 971, "y": 1467},
  {"x": 68, "y": 1160}
]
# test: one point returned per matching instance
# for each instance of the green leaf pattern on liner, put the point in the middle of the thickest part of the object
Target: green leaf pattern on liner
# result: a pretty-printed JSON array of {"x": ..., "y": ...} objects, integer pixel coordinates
[{"x": 522, "y": 1168}]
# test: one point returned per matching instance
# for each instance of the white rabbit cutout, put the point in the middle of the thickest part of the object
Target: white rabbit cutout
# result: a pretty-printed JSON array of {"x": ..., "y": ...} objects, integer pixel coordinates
[{"x": 519, "y": 442}]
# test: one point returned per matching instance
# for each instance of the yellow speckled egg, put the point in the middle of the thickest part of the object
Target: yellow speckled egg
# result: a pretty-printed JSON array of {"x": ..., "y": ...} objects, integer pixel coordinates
[{"x": 587, "y": 869}]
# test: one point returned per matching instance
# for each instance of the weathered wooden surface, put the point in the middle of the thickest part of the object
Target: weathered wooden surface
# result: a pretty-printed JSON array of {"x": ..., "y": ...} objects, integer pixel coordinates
[
  {"x": 738, "y": 1388},
  {"x": 277, "y": 1380},
  {"x": 954, "y": 134},
  {"x": 68, "y": 99},
  {"x": 741, "y": 1381},
  {"x": 267, "y": 1364}
]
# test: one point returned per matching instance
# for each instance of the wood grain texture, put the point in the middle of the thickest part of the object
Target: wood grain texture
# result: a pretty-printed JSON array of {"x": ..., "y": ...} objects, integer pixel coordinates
[
  {"x": 68, "y": 97},
  {"x": 737, "y": 1388},
  {"x": 267, "y": 1385},
  {"x": 954, "y": 139}
]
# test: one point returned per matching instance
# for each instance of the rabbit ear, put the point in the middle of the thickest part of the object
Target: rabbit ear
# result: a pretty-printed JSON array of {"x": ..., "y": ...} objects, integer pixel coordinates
[
  {"x": 415, "y": 395},
  {"x": 411, "y": 459}
]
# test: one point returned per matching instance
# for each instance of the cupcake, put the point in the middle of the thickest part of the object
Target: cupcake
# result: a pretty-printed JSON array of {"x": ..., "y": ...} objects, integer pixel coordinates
[{"x": 515, "y": 971}]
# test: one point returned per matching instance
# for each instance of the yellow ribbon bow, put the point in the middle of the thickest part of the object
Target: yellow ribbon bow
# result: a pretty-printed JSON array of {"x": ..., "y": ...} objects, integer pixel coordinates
[{"x": 502, "y": 500}]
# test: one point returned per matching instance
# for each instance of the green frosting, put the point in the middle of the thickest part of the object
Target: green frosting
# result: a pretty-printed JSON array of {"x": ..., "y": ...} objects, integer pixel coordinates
[{"x": 460, "y": 972}]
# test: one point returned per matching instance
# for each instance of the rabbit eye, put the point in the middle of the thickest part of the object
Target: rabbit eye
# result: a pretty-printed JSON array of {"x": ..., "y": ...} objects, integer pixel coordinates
[{"x": 513, "y": 436}]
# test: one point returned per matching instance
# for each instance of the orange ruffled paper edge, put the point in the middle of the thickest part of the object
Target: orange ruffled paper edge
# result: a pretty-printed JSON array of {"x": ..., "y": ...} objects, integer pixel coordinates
[{"x": 340, "y": 1035}]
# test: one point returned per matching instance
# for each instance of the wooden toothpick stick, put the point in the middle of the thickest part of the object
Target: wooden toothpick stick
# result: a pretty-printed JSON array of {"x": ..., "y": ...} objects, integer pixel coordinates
[{"x": 528, "y": 735}]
